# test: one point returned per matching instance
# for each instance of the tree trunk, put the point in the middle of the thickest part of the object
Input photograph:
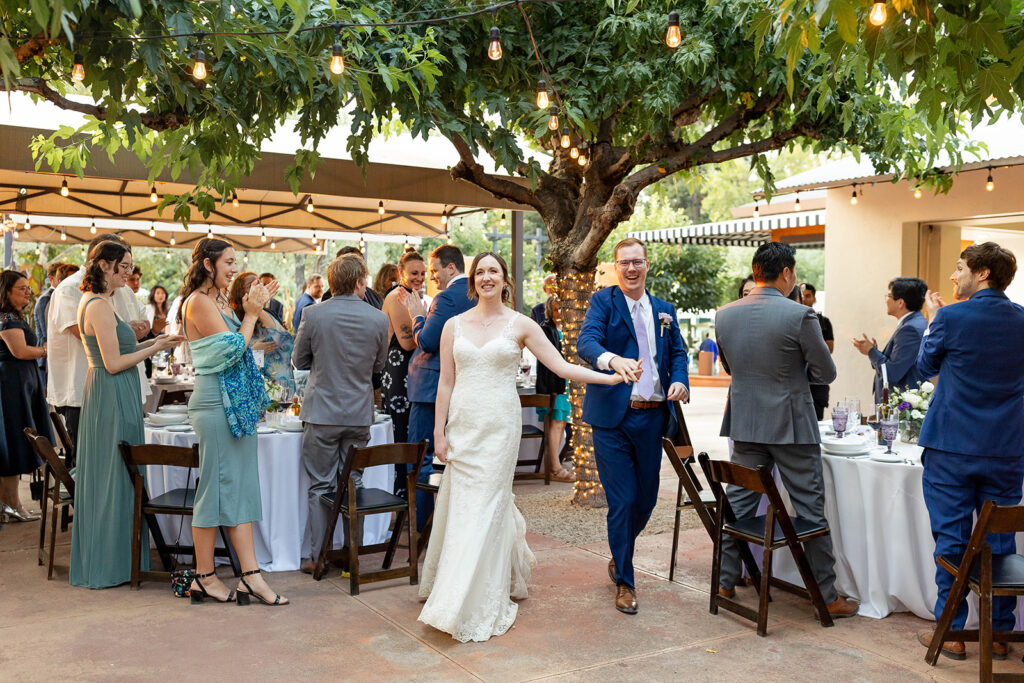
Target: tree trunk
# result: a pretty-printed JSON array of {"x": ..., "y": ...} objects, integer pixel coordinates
[{"x": 574, "y": 290}]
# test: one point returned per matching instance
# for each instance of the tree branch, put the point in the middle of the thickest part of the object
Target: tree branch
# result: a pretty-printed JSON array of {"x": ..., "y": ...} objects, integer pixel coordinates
[
  {"x": 37, "y": 86},
  {"x": 686, "y": 113},
  {"x": 470, "y": 170}
]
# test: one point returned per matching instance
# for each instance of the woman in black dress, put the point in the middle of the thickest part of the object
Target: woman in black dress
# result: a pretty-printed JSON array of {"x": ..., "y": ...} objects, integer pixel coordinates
[
  {"x": 22, "y": 396},
  {"x": 393, "y": 390}
]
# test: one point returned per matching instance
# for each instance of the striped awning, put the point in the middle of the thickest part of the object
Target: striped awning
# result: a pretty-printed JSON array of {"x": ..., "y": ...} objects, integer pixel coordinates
[{"x": 746, "y": 232}]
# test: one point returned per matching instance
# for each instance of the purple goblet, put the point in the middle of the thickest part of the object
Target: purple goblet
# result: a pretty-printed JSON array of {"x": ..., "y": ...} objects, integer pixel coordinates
[
  {"x": 839, "y": 418},
  {"x": 889, "y": 429}
]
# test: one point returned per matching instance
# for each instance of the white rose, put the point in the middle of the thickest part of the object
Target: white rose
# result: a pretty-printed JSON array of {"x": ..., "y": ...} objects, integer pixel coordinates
[
  {"x": 924, "y": 404},
  {"x": 916, "y": 415},
  {"x": 927, "y": 387},
  {"x": 913, "y": 399}
]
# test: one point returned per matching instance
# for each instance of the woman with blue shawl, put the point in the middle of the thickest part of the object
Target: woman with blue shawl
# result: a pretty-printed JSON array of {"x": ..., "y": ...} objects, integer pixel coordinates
[
  {"x": 269, "y": 337},
  {"x": 227, "y": 403}
]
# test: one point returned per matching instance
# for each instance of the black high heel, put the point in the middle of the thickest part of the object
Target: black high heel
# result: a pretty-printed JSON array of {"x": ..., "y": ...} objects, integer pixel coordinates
[
  {"x": 244, "y": 595},
  {"x": 197, "y": 598}
]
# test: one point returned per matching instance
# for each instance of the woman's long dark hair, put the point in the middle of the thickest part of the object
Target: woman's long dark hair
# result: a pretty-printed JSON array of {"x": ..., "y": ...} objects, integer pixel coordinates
[
  {"x": 159, "y": 308},
  {"x": 209, "y": 248},
  {"x": 95, "y": 280},
  {"x": 8, "y": 278}
]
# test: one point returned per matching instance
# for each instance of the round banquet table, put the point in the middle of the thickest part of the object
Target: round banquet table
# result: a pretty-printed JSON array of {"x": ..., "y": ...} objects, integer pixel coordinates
[{"x": 281, "y": 538}]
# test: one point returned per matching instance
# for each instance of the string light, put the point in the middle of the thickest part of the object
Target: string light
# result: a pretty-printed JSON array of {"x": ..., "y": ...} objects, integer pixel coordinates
[
  {"x": 406, "y": 246},
  {"x": 199, "y": 66},
  {"x": 853, "y": 197},
  {"x": 494, "y": 48},
  {"x": 64, "y": 191},
  {"x": 78, "y": 70},
  {"x": 917, "y": 193},
  {"x": 878, "y": 13},
  {"x": 37, "y": 251},
  {"x": 263, "y": 235},
  {"x": 318, "y": 249},
  {"x": 234, "y": 198},
  {"x": 63, "y": 236},
  {"x": 565, "y": 140},
  {"x": 380, "y": 208},
  {"x": 796, "y": 204},
  {"x": 173, "y": 241},
  {"x": 337, "y": 61},
  {"x": 542, "y": 94},
  {"x": 314, "y": 237},
  {"x": 209, "y": 232},
  {"x": 444, "y": 216},
  {"x": 92, "y": 227},
  {"x": 152, "y": 229},
  {"x": 309, "y": 204},
  {"x": 553, "y": 118},
  {"x": 284, "y": 259},
  {"x": 273, "y": 244},
  {"x": 28, "y": 222},
  {"x": 502, "y": 221},
  {"x": 152, "y": 194},
  {"x": 989, "y": 184},
  {"x": 757, "y": 210},
  {"x": 362, "y": 244},
  {"x": 672, "y": 36},
  {"x": 574, "y": 152},
  {"x": 245, "y": 259},
  {"x": 167, "y": 255},
  {"x": 448, "y": 238},
  {"x": 582, "y": 161}
]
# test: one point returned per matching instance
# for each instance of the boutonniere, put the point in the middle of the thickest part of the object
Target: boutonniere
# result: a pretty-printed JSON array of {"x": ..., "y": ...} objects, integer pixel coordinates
[{"x": 666, "y": 322}]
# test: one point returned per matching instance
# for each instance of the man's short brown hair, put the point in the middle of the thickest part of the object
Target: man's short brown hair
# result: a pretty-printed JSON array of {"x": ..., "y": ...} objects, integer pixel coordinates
[
  {"x": 449, "y": 254},
  {"x": 628, "y": 242},
  {"x": 1000, "y": 262},
  {"x": 345, "y": 272}
]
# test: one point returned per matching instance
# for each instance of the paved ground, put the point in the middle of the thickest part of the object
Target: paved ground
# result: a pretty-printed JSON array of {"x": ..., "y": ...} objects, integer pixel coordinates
[{"x": 566, "y": 630}]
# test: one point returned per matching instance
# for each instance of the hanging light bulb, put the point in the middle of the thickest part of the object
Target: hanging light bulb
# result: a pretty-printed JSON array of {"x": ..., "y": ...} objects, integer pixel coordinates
[
  {"x": 380, "y": 208},
  {"x": 38, "y": 252},
  {"x": 494, "y": 48},
  {"x": 796, "y": 204},
  {"x": 167, "y": 255},
  {"x": 245, "y": 259},
  {"x": 78, "y": 70},
  {"x": 672, "y": 36},
  {"x": 582, "y": 161},
  {"x": 542, "y": 94},
  {"x": 989, "y": 184},
  {"x": 878, "y": 13},
  {"x": 314, "y": 237},
  {"x": 574, "y": 152},
  {"x": 263, "y": 235},
  {"x": 28, "y": 222},
  {"x": 92, "y": 227},
  {"x": 853, "y": 197},
  {"x": 284, "y": 259},
  {"x": 917, "y": 193},
  {"x": 63, "y": 236},
  {"x": 444, "y": 216},
  {"x": 209, "y": 232},
  {"x": 565, "y": 140},
  {"x": 173, "y": 241},
  {"x": 234, "y": 198},
  {"x": 448, "y": 238},
  {"x": 502, "y": 221},
  {"x": 273, "y": 244},
  {"x": 757, "y": 210},
  {"x": 199, "y": 66},
  {"x": 64, "y": 191},
  {"x": 337, "y": 61},
  {"x": 152, "y": 194},
  {"x": 362, "y": 244},
  {"x": 152, "y": 229},
  {"x": 553, "y": 118},
  {"x": 318, "y": 248},
  {"x": 309, "y": 204},
  {"x": 405, "y": 247}
]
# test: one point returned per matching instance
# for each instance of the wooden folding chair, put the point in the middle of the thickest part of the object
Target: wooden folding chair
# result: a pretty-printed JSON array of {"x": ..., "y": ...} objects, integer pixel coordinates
[
  {"x": 60, "y": 429},
  {"x": 58, "y": 497},
  {"x": 353, "y": 503},
  {"x": 177, "y": 502},
  {"x": 176, "y": 397},
  {"x": 773, "y": 530},
  {"x": 987, "y": 575},
  {"x": 534, "y": 432}
]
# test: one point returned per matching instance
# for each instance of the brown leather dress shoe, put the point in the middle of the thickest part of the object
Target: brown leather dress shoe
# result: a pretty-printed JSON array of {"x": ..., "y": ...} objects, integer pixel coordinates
[
  {"x": 307, "y": 565},
  {"x": 841, "y": 608},
  {"x": 625, "y": 599},
  {"x": 727, "y": 592},
  {"x": 613, "y": 574},
  {"x": 1000, "y": 651},
  {"x": 954, "y": 649}
]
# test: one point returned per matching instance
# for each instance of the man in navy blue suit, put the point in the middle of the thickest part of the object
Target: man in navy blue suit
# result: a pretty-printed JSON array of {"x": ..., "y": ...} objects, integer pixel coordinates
[
  {"x": 447, "y": 269},
  {"x": 973, "y": 433},
  {"x": 630, "y": 332},
  {"x": 903, "y": 302}
]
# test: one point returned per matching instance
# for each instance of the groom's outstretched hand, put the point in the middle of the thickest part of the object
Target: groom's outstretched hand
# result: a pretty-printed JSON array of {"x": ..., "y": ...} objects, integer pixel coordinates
[
  {"x": 678, "y": 392},
  {"x": 626, "y": 368}
]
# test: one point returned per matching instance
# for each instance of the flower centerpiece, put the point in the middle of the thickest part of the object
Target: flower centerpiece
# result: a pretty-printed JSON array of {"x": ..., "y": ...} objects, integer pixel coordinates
[
  {"x": 912, "y": 406},
  {"x": 276, "y": 392}
]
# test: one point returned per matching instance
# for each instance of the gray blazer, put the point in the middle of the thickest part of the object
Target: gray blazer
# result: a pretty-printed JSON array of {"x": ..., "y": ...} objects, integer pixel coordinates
[
  {"x": 772, "y": 346},
  {"x": 342, "y": 342}
]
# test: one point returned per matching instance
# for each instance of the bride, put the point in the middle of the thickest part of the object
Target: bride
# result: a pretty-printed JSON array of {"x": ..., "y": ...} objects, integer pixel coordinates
[{"x": 477, "y": 557}]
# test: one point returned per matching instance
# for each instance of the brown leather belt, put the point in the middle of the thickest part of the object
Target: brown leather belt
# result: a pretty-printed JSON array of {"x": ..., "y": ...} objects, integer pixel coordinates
[{"x": 644, "y": 405}]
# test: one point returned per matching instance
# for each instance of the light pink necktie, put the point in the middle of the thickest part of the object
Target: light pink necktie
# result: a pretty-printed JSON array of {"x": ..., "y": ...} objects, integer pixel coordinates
[{"x": 645, "y": 386}]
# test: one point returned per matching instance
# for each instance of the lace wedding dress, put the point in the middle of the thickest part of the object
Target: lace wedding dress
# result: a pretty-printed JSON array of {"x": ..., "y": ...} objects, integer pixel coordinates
[{"x": 477, "y": 558}]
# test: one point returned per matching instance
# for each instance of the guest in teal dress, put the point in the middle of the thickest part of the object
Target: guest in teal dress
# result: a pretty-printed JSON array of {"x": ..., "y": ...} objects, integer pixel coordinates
[
  {"x": 550, "y": 383},
  {"x": 101, "y": 533},
  {"x": 269, "y": 336},
  {"x": 227, "y": 403}
]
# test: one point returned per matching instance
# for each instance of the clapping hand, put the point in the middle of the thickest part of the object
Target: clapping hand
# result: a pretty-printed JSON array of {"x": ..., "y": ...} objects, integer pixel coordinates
[
  {"x": 933, "y": 302},
  {"x": 257, "y": 297},
  {"x": 864, "y": 345},
  {"x": 412, "y": 301}
]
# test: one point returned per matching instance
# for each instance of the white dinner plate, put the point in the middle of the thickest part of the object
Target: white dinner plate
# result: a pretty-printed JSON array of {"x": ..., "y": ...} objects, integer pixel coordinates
[
  {"x": 178, "y": 409},
  {"x": 165, "y": 380},
  {"x": 164, "y": 419},
  {"x": 266, "y": 430},
  {"x": 852, "y": 444},
  {"x": 882, "y": 456},
  {"x": 290, "y": 427},
  {"x": 178, "y": 428}
]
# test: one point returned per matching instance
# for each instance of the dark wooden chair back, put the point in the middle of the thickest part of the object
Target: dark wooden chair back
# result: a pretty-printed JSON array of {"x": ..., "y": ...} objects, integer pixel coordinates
[
  {"x": 385, "y": 454},
  {"x": 546, "y": 401},
  {"x": 725, "y": 472},
  {"x": 537, "y": 401},
  {"x": 681, "y": 439},
  {"x": 176, "y": 397},
  {"x": 141, "y": 455},
  {"x": 1000, "y": 519},
  {"x": 53, "y": 502},
  {"x": 60, "y": 429},
  {"x": 44, "y": 449}
]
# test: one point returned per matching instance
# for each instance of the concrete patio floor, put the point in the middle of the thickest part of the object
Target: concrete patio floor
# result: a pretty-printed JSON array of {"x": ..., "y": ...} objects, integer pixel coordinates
[{"x": 568, "y": 629}]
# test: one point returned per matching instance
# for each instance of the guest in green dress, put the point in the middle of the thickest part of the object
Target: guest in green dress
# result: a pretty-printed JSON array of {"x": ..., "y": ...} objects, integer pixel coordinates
[
  {"x": 101, "y": 533},
  {"x": 227, "y": 403}
]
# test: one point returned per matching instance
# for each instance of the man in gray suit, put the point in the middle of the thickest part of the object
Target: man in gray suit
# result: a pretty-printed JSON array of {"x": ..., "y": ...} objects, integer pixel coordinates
[
  {"x": 341, "y": 342},
  {"x": 773, "y": 347}
]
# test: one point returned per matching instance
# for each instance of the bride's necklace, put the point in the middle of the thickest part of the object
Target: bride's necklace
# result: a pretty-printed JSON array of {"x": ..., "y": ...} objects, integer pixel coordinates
[{"x": 490, "y": 322}]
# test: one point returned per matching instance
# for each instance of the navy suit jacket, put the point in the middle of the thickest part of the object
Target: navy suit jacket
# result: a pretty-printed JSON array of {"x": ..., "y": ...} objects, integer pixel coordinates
[
  {"x": 975, "y": 348},
  {"x": 425, "y": 363},
  {"x": 608, "y": 326},
  {"x": 900, "y": 355}
]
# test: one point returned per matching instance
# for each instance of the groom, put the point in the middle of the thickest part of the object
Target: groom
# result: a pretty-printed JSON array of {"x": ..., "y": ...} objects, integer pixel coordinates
[{"x": 636, "y": 335}]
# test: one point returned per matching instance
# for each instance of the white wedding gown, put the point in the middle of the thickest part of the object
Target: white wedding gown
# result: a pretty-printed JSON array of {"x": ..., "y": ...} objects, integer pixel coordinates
[{"x": 477, "y": 558}]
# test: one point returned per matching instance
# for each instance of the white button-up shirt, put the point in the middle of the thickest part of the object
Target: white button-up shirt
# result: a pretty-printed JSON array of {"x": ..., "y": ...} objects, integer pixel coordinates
[{"x": 647, "y": 315}]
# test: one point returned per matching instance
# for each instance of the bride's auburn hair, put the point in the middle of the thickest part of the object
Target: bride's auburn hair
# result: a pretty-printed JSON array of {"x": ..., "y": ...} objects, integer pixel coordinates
[{"x": 507, "y": 287}]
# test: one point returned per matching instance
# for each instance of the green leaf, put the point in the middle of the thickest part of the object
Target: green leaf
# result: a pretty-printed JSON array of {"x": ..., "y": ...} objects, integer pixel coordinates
[{"x": 846, "y": 20}]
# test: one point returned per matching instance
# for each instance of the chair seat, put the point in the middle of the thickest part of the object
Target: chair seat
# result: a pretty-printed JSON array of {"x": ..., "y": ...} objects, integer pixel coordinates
[
  {"x": 530, "y": 431},
  {"x": 368, "y": 499},
  {"x": 706, "y": 497},
  {"x": 175, "y": 498},
  {"x": 1007, "y": 570},
  {"x": 754, "y": 527},
  {"x": 426, "y": 486}
]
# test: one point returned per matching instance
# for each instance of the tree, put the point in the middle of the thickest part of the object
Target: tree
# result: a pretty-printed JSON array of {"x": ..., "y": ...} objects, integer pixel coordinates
[{"x": 748, "y": 77}]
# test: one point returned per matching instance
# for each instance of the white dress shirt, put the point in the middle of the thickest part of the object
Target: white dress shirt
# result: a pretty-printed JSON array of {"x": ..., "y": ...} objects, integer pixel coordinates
[{"x": 647, "y": 314}]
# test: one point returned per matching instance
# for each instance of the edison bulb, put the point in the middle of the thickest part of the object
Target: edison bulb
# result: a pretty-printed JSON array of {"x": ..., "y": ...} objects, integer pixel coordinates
[
  {"x": 553, "y": 119},
  {"x": 199, "y": 68},
  {"x": 337, "y": 61},
  {"x": 152, "y": 194},
  {"x": 574, "y": 152},
  {"x": 542, "y": 95},
  {"x": 494, "y": 48},
  {"x": 673, "y": 37},
  {"x": 64, "y": 192},
  {"x": 565, "y": 140},
  {"x": 917, "y": 193},
  {"x": 878, "y": 13},
  {"x": 78, "y": 71}
]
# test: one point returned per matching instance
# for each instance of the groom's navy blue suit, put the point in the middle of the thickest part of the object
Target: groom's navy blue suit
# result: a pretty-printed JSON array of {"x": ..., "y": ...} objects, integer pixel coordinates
[{"x": 627, "y": 441}]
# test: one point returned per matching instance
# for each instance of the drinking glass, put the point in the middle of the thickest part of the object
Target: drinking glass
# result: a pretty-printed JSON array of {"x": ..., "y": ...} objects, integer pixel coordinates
[
  {"x": 840, "y": 415},
  {"x": 853, "y": 406},
  {"x": 890, "y": 425}
]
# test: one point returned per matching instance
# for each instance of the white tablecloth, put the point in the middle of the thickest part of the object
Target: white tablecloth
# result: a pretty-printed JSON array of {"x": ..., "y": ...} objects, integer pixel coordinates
[
  {"x": 281, "y": 538},
  {"x": 158, "y": 389}
]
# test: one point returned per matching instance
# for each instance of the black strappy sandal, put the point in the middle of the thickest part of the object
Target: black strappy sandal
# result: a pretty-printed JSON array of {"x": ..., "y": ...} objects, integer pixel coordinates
[
  {"x": 198, "y": 597},
  {"x": 244, "y": 595}
]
